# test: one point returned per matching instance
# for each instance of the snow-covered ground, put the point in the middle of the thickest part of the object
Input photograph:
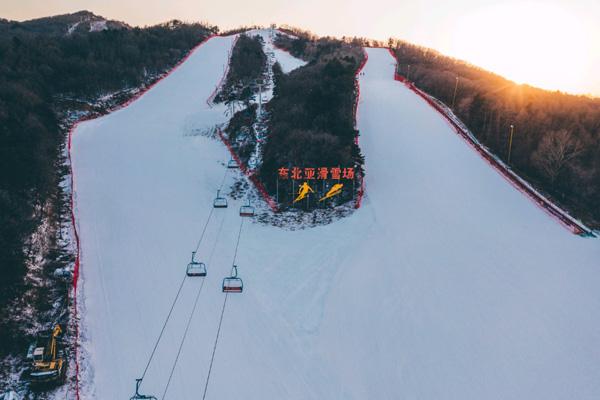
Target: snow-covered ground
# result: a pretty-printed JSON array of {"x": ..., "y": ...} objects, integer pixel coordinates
[
  {"x": 72, "y": 28},
  {"x": 447, "y": 283},
  {"x": 96, "y": 26},
  {"x": 287, "y": 61}
]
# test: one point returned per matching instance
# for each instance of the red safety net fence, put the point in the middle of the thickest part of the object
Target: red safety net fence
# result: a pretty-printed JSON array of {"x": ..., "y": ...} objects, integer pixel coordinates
[
  {"x": 75, "y": 389},
  {"x": 515, "y": 180},
  {"x": 361, "y": 189},
  {"x": 251, "y": 174}
]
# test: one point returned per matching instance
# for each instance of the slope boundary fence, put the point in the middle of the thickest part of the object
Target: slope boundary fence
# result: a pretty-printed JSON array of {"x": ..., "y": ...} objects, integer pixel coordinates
[
  {"x": 77, "y": 263},
  {"x": 211, "y": 98},
  {"x": 361, "y": 190},
  {"x": 504, "y": 170}
]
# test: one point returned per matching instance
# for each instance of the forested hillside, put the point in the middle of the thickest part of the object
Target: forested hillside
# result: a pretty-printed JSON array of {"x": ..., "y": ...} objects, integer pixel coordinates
[
  {"x": 62, "y": 25},
  {"x": 44, "y": 71},
  {"x": 556, "y": 139},
  {"x": 247, "y": 68},
  {"x": 59, "y": 67},
  {"x": 309, "y": 122},
  {"x": 312, "y": 111}
]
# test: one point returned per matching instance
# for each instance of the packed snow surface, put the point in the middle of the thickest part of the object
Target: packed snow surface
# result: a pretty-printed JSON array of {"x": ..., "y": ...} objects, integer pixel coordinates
[
  {"x": 446, "y": 284},
  {"x": 287, "y": 61}
]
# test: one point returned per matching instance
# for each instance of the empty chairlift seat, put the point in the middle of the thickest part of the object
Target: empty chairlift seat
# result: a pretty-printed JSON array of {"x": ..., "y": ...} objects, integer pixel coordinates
[
  {"x": 233, "y": 283},
  {"x": 232, "y": 164},
  {"x": 195, "y": 268},
  {"x": 220, "y": 202},
  {"x": 247, "y": 210},
  {"x": 137, "y": 395}
]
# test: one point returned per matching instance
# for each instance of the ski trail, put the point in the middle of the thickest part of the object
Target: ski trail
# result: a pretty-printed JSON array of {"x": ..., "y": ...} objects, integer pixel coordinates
[{"x": 446, "y": 283}]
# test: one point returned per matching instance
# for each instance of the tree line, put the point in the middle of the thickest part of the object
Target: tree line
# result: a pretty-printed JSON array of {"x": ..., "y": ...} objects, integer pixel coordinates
[
  {"x": 247, "y": 67},
  {"x": 38, "y": 70},
  {"x": 556, "y": 136},
  {"x": 311, "y": 114}
]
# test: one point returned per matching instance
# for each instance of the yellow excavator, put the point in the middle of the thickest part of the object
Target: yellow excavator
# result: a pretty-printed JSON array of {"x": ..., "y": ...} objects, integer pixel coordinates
[{"x": 48, "y": 363}]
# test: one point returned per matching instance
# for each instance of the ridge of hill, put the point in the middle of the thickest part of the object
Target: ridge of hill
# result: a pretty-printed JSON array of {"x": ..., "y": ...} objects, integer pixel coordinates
[{"x": 65, "y": 24}]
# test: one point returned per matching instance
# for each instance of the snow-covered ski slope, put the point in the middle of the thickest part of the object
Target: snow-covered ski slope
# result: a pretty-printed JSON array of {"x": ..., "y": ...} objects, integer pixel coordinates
[
  {"x": 286, "y": 60},
  {"x": 446, "y": 284}
]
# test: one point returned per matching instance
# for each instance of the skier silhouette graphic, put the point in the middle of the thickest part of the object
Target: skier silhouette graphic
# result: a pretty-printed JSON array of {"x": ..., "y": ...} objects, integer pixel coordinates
[
  {"x": 335, "y": 190},
  {"x": 303, "y": 191}
]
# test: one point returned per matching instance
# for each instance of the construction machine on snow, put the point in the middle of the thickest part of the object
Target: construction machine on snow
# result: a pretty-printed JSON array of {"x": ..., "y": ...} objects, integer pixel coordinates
[{"x": 48, "y": 360}]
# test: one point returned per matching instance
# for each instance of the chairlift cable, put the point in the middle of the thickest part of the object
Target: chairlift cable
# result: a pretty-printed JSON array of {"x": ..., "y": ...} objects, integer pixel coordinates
[
  {"x": 212, "y": 358},
  {"x": 180, "y": 287},
  {"x": 210, "y": 214},
  {"x": 223, "y": 180},
  {"x": 187, "y": 327},
  {"x": 163, "y": 327},
  {"x": 212, "y": 251},
  {"x": 194, "y": 308},
  {"x": 204, "y": 230},
  {"x": 237, "y": 245}
]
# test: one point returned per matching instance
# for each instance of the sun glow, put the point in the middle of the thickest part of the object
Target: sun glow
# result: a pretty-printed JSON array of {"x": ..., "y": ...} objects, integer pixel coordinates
[
  {"x": 553, "y": 44},
  {"x": 532, "y": 43}
]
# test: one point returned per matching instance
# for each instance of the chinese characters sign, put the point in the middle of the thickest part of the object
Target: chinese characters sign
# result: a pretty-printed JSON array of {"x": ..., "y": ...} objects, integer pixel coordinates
[
  {"x": 318, "y": 183},
  {"x": 322, "y": 173}
]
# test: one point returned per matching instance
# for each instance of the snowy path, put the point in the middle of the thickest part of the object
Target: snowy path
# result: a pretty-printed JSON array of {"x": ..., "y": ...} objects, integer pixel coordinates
[{"x": 447, "y": 283}]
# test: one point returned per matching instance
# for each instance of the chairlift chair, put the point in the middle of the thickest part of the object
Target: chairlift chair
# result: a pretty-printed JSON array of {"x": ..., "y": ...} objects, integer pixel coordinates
[
  {"x": 137, "y": 395},
  {"x": 233, "y": 283},
  {"x": 247, "y": 210},
  {"x": 195, "y": 268},
  {"x": 232, "y": 164},
  {"x": 220, "y": 202}
]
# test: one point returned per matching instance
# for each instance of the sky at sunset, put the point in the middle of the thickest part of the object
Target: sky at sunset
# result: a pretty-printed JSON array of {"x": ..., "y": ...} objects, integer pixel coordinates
[{"x": 553, "y": 44}]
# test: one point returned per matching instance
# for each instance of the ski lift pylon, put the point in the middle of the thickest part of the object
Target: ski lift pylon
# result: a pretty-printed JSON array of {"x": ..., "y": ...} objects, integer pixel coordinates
[
  {"x": 220, "y": 202},
  {"x": 247, "y": 210},
  {"x": 233, "y": 283},
  {"x": 137, "y": 395},
  {"x": 195, "y": 268}
]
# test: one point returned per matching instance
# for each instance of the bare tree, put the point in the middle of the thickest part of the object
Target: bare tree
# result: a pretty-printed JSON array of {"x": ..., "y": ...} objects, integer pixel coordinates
[{"x": 556, "y": 152}]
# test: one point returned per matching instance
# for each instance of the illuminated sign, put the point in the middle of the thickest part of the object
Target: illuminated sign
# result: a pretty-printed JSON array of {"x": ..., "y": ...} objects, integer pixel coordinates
[
  {"x": 315, "y": 185},
  {"x": 310, "y": 173}
]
